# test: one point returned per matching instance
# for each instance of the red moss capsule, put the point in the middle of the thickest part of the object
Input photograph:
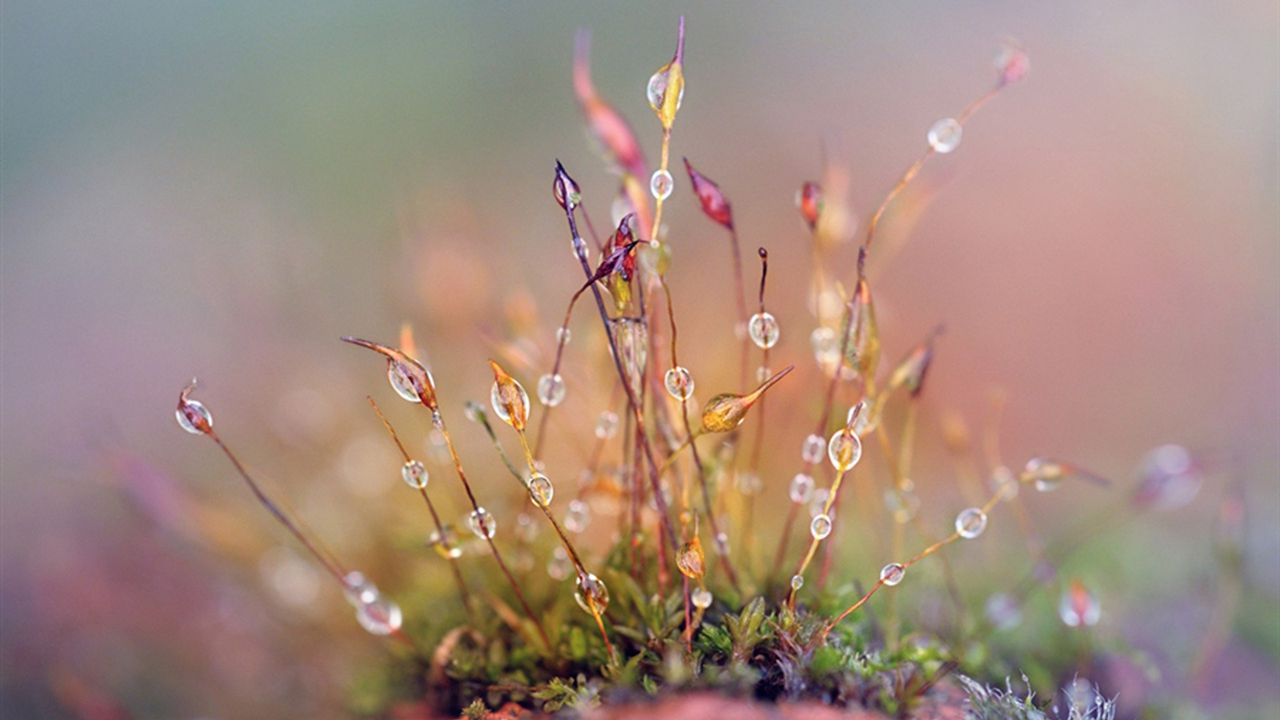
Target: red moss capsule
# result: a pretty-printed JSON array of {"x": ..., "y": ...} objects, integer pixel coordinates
[
  {"x": 713, "y": 201},
  {"x": 809, "y": 200}
]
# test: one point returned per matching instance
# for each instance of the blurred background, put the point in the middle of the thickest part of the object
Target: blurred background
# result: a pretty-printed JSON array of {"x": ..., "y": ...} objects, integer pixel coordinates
[{"x": 224, "y": 189}]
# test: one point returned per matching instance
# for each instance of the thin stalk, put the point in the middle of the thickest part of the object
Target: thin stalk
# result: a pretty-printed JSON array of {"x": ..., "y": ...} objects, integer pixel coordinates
[
  {"x": 721, "y": 547},
  {"x": 636, "y": 409},
  {"x": 437, "y": 420},
  {"x": 564, "y": 541},
  {"x": 463, "y": 592},
  {"x": 821, "y": 636}
]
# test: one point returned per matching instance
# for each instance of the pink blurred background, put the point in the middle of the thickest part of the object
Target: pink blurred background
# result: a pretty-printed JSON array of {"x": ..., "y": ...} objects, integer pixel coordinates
[{"x": 223, "y": 190}]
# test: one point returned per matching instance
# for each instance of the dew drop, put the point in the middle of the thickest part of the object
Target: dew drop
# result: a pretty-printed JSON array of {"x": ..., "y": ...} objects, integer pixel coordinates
[
  {"x": 820, "y": 527},
  {"x": 701, "y": 598},
  {"x": 818, "y": 503},
  {"x": 749, "y": 483},
  {"x": 811, "y": 451},
  {"x": 403, "y": 381},
  {"x": 844, "y": 450},
  {"x": 1047, "y": 475},
  {"x": 970, "y": 523},
  {"x": 540, "y": 489},
  {"x": 1079, "y": 607},
  {"x": 551, "y": 389},
  {"x": 679, "y": 383},
  {"x": 797, "y": 582},
  {"x": 563, "y": 335},
  {"x": 558, "y": 566},
  {"x": 1171, "y": 478},
  {"x": 415, "y": 474},
  {"x": 482, "y": 523},
  {"x": 381, "y": 616},
  {"x": 944, "y": 136},
  {"x": 526, "y": 528},
  {"x": 359, "y": 589},
  {"x": 902, "y": 504},
  {"x": 445, "y": 545},
  {"x": 500, "y": 394},
  {"x": 607, "y": 425},
  {"x": 656, "y": 90},
  {"x": 801, "y": 488},
  {"x": 763, "y": 329},
  {"x": 1003, "y": 611},
  {"x": 194, "y": 417},
  {"x": 661, "y": 184},
  {"x": 892, "y": 574},
  {"x": 722, "y": 543},
  {"x": 577, "y": 516},
  {"x": 690, "y": 560},
  {"x": 592, "y": 594},
  {"x": 826, "y": 347},
  {"x": 1012, "y": 63},
  {"x": 1004, "y": 483},
  {"x": 763, "y": 373}
]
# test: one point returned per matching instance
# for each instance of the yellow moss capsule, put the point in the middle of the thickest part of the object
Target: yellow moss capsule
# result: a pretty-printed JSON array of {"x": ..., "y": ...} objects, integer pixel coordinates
[{"x": 690, "y": 559}]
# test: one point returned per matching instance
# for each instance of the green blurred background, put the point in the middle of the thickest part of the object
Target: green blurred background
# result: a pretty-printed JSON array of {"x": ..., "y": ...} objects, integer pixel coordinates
[{"x": 223, "y": 189}]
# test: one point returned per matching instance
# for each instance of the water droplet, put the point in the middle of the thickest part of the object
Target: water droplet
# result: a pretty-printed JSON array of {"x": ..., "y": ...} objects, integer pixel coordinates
[
  {"x": 858, "y": 411},
  {"x": 577, "y": 516},
  {"x": 551, "y": 389},
  {"x": 679, "y": 383},
  {"x": 818, "y": 503},
  {"x": 415, "y": 474},
  {"x": 701, "y": 598},
  {"x": 1047, "y": 475},
  {"x": 971, "y": 522},
  {"x": 482, "y": 523},
  {"x": 722, "y": 543},
  {"x": 1004, "y": 483},
  {"x": 689, "y": 559},
  {"x": 656, "y": 90},
  {"x": 632, "y": 338},
  {"x": 194, "y": 417},
  {"x": 563, "y": 335},
  {"x": 826, "y": 347},
  {"x": 801, "y": 488},
  {"x": 945, "y": 134},
  {"x": 510, "y": 402},
  {"x": 607, "y": 425},
  {"x": 592, "y": 594},
  {"x": 811, "y": 451},
  {"x": 1003, "y": 611},
  {"x": 763, "y": 373},
  {"x": 892, "y": 574},
  {"x": 820, "y": 527},
  {"x": 403, "y": 380},
  {"x": 540, "y": 489},
  {"x": 797, "y": 582},
  {"x": 661, "y": 184},
  {"x": 749, "y": 483},
  {"x": 1171, "y": 478},
  {"x": 381, "y": 616},
  {"x": 526, "y": 528},
  {"x": 902, "y": 504},
  {"x": 446, "y": 544},
  {"x": 558, "y": 566},
  {"x": 1078, "y": 606},
  {"x": 359, "y": 589},
  {"x": 763, "y": 329},
  {"x": 844, "y": 450},
  {"x": 809, "y": 200},
  {"x": 1012, "y": 63}
]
